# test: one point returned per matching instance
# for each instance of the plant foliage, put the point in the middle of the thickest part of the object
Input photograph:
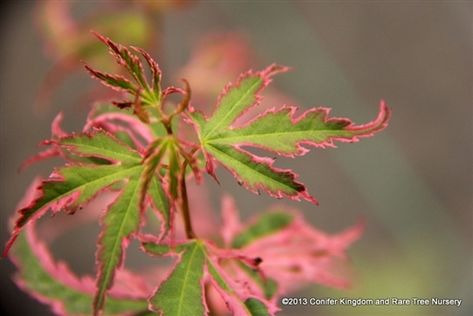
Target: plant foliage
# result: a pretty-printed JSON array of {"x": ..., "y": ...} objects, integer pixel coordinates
[{"x": 145, "y": 149}]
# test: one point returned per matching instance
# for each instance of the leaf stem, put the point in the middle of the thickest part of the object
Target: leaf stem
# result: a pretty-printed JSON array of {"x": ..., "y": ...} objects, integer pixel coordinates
[{"x": 186, "y": 216}]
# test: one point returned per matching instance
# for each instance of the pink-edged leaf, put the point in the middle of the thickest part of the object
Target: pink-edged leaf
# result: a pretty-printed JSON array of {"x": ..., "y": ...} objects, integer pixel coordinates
[
  {"x": 56, "y": 129},
  {"x": 289, "y": 252},
  {"x": 119, "y": 223},
  {"x": 258, "y": 174},
  {"x": 102, "y": 115},
  {"x": 42, "y": 155},
  {"x": 70, "y": 187},
  {"x": 155, "y": 70},
  {"x": 53, "y": 151},
  {"x": 181, "y": 293},
  {"x": 235, "y": 294},
  {"x": 236, "y": 99},
  {"x": 53, "y": 283},
  {"x": 300, "y": 255},
  {"x": 125, "y": 58},
  {"x": 143, "y": 93},
  {"x": 199, "y": 265},
  {"x": 279, "y": 131},
  {"x": 115, "y": 82}
]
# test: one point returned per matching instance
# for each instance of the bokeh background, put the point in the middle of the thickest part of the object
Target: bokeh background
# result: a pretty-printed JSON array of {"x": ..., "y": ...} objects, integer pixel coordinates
[{"x": 412, "y": 183}]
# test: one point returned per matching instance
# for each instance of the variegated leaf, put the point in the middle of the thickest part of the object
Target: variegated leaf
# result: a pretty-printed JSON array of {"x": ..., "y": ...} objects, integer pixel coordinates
[{"x": 276, "y": 130}]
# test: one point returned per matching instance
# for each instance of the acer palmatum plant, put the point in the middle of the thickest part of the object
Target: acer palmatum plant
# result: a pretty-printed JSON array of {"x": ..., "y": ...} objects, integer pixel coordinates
[{"x": 139, "y": 154}]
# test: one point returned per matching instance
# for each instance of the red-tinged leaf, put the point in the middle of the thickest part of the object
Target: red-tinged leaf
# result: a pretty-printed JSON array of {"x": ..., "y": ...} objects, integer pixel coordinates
[
  {"x": 181, "y": 294},
  {"x": 53, "y": 151},
  {"x": 42, "y": 155},
  {"x": 172, "y": 90},
  {"x": 155, "y": 70},
  {"x": 152, "y": 161},
  {"x": 125, "y": 58},
  {"x": 56, "y": 129},
  {"x": 184, "y": 104},
  {"x": 138, "y": 109},
  {"x": 115, "y": 82},
  {"x": 300, "y": 255},
  {"x": 54, "y": 284},
  {"x": 134, "y": 126},
  {"x": 123, "y": 104},
  {"x": 235, "y": 294}
]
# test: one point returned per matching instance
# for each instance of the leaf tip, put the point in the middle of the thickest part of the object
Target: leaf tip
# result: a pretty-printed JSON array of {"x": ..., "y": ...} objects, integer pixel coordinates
[
  {"x": 274, "y": 69},
  {"x": 9, "y": 244}
]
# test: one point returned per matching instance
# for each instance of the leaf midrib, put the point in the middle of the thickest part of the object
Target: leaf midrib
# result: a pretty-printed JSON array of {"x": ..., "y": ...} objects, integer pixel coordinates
[{"x": 236, "y": 136}]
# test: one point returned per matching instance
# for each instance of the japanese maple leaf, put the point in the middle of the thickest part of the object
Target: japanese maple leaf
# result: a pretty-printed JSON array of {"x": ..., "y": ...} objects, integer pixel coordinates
[
  {"x": 184, "y": 291},
  {"x": 97, "y": 162},
  {"x": 277, "y": 130},
  {"x": 293, "y": 254},
  {"x": 272, "y": 255},
  {"x": 53, "y": 283}
]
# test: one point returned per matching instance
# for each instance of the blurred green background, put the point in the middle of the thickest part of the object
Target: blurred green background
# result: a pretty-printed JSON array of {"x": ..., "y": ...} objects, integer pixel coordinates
[{"x": 412, "y": 183}]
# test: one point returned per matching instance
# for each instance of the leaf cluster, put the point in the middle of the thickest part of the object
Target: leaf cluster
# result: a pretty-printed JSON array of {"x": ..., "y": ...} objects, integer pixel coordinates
[{"x": 140, "y": 148}]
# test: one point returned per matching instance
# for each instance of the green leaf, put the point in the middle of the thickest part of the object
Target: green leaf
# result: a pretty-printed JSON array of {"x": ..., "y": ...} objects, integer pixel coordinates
[
  {"x": 84, "y": 181},
  {"x": 280, "y": 132},
  {"x": 38, "y": 281},
  {"x": 236, "y": 99},
  {"x": 74, "y": 185},
  {"x": 121, "y": 220},
  {"x": 256, "y": 173},
  {"x": 101, "y": 145},
  {"x": 276, "y": 130},
  {"x": 181, "y": 293},
  {"x": 266, "y": 224}
]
